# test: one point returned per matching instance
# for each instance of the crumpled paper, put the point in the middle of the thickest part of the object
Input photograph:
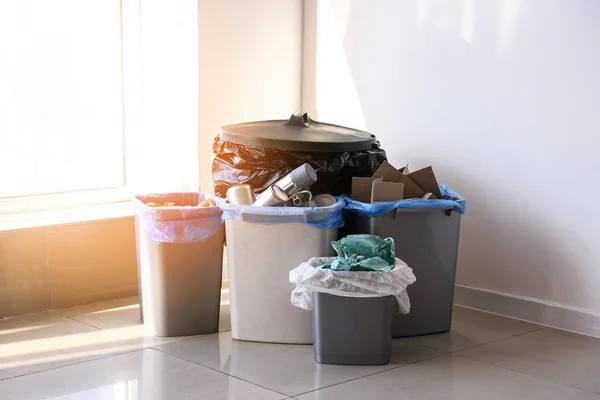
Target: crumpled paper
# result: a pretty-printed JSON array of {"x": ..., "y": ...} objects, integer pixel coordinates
[{"x": 363, "y": 253}]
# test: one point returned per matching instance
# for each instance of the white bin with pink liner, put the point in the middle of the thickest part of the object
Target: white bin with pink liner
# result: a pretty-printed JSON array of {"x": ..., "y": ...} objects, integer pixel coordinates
[{"x": 263, "y": 245}]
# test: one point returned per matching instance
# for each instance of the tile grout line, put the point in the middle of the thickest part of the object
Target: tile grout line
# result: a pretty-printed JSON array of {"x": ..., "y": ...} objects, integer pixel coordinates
[
  {"x": 374, "y": 373},
  {"x": 526, "y": 374},
  {"x": 513, "y": 370},
  {"x": 444, "y": 353},
  {"x": 69, "y": 365},
  {"x": 102, "y": 357},
  {"x": 73, "y": 319},
  {"x": 221, "y": 372},
  {"x": 494, "y": 341},
  {"x": 470, "y": 347},
  {"x": 432, "y": 348}
]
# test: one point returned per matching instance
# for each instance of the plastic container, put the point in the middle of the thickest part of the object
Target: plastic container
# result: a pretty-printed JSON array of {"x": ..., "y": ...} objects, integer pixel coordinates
[
  {"x": 427, "y": 240},
  {"x": 261, "y": 153},
  {"x": 352, "y": 331},
  {"x": 180, "y": 259},
  {"x": 263, "y": 245},
  {"x": 259, "y": 259}
]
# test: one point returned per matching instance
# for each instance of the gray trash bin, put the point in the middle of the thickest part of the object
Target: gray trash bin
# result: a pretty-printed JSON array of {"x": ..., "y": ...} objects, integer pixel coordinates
[
  {"x": 427, "y": 240},
  {"x": 180, "y": 259},
  {"x": 351, "y": 330}
]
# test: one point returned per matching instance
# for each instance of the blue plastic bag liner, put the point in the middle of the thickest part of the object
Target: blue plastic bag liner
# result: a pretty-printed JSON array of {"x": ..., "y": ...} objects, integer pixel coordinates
[
  {"x": 184, "y": 223},
  {"x": 309, "y": 278},
  {"x": 451, "y": 200},
  {"x": 317, "y": 217}
]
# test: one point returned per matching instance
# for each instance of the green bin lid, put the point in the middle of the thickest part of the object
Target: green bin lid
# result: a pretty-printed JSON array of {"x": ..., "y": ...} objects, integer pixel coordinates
[{"x": 299, "y": 133}]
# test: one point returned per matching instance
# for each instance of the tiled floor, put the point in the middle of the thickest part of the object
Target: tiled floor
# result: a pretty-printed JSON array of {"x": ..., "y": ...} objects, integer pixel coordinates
[{"x": 101, "y": 351}]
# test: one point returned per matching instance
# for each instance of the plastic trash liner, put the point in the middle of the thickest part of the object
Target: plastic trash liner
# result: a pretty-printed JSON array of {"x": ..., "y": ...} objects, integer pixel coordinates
[
  {"x": 185, "y": 222},
  {"x": 260, "y": 153},
  {"x": 309, "y": 278},
  {"x": 451, "y": 200}
]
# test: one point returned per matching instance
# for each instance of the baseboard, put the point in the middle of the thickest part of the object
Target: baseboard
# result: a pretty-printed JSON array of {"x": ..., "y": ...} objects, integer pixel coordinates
[{"x": 528, "y": 309}]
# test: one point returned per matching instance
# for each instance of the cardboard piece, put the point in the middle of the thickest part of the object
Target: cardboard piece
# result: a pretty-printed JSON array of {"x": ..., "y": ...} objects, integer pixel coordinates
[
  {"x": 425, "y": 178},
  {"x": 404, "y": 170},
  {"x": 361, "y": 189},
  {"x": 386, "y": 191},
  {"x": 391, "y": 184},
  {"x": 411, "y": 189},
  {"x": 388, "y": 173}
]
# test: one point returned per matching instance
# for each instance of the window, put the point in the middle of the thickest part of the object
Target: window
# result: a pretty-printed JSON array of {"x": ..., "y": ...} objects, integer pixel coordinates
[{"x": 86, "y": 98}]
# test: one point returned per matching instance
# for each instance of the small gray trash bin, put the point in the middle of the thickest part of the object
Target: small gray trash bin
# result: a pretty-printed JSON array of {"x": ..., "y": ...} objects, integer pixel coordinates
[
  {"x": 427, "y": 240},
  {"x": 180, "y": 259},
  {"x": 351, "y": 330}
]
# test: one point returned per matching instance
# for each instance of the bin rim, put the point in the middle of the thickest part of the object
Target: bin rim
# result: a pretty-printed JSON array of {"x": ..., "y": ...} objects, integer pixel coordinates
[
  {"x": 451, "y": 201},
  {"x": 318, "y": 217},
  {"x": 299, "y": 133}
]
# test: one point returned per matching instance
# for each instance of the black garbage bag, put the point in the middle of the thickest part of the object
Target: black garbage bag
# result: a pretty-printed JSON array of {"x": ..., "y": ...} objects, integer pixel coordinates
[{"x": 261, "y": 167}]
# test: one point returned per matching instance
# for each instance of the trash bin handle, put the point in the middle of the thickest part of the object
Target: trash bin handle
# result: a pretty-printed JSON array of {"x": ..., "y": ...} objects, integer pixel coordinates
[
  {"x": 447, "y": 211},
  {"x": 299, "y": 119}
]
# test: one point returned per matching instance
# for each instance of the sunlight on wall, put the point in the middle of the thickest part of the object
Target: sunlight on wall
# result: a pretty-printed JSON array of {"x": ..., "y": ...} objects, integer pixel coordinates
[
  {"x": 334, "y": 83},
  {"x": 506, "y": 24}
]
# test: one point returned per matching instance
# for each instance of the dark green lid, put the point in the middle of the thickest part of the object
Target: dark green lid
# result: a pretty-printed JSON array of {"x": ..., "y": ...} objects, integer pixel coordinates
[{"x": 299, "y": 133}]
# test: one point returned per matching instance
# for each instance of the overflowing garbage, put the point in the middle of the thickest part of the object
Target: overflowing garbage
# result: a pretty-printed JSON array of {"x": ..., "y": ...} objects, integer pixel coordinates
[
  {"x": 318, "y": 206},
  {"x": 366, "y": 266},
  {"x": 261, "y": 153}
]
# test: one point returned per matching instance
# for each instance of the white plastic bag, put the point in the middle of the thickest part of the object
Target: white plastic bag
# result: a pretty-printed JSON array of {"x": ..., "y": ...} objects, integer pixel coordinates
[{"x": 309, "y": 279}]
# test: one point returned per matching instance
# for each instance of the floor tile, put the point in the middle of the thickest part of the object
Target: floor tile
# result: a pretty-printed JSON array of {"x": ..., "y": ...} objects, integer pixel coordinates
[
  {"x": 450, "y": 377},
  {"x": 288, "y": 369},
  {"x": 38, "y": 342},
  {"x": 146, "y": 374},
  {"x": 556, "y": 355},
  {"x": 121, "y": 317},
  {"x": 471, "y": 328}
]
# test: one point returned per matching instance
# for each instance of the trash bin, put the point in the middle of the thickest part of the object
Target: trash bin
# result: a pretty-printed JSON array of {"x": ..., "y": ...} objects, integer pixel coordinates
[
  {"x": 352, "y": 310},
  {"x": 352, "y": 331},
  {"x": 180, "y": 258},
  {"x": 426, "y": 234},
  {"x": 263, "y": 245},
  {"x": 260, "y": 153}
]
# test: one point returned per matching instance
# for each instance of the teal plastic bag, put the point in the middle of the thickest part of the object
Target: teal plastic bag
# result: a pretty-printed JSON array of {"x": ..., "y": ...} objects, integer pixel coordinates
[{"x": 363, "y": 253}]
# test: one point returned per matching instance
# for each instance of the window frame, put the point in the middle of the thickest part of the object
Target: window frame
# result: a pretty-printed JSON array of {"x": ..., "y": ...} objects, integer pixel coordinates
[{"x": 131, "y": 95}]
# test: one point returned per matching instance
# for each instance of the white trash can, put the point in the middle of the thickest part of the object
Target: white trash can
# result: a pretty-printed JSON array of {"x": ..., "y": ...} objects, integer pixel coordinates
[{"x": 263, "y": 245}]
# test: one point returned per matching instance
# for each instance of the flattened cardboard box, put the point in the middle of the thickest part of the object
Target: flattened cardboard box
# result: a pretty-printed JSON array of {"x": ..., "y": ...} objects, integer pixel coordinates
[
  {"x": 386, "y": 191},
  {"x": 361, "y": 189},
  {"x": 411, "y": 189},
  {"x": 426, "y": 180},
  {"x": 389, "y": 173}
]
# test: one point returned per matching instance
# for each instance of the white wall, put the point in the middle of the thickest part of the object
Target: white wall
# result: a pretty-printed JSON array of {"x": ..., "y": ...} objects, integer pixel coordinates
[
  {"x": 502, "y": 97},
  {"x": 250, "y": 60}
]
